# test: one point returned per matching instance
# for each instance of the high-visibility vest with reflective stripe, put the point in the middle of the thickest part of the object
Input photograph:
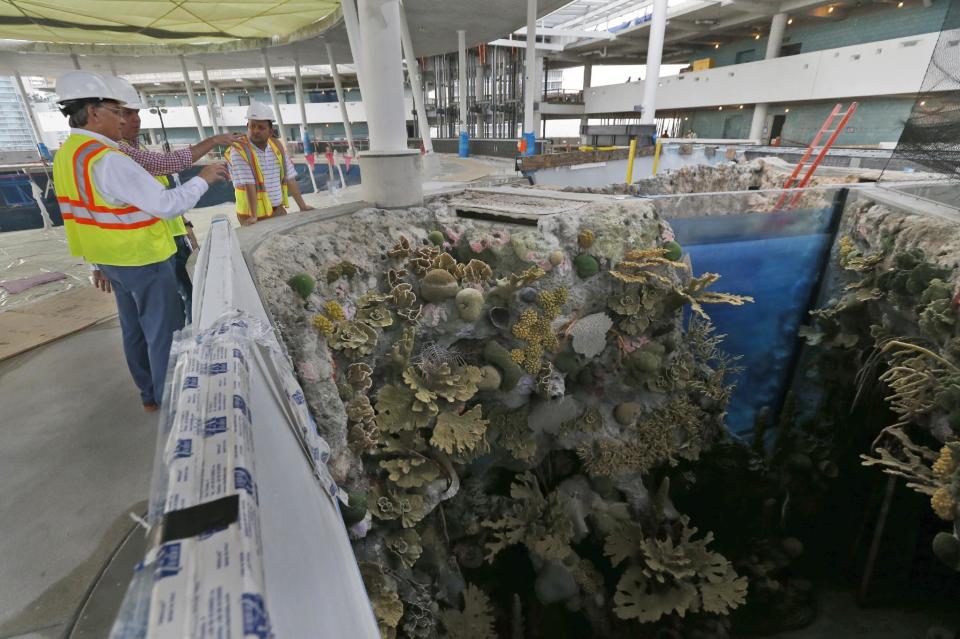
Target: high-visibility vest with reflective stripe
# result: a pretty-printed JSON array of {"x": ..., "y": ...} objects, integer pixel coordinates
[
  {"x": 176, "y": 225},
  {"x": 264, "y": 206},
  {"x": 100, "y": 232}
]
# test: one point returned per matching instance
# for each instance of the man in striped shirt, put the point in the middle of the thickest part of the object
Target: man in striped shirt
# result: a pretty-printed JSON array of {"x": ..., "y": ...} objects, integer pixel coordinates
[{"x": 261, "y": 170}]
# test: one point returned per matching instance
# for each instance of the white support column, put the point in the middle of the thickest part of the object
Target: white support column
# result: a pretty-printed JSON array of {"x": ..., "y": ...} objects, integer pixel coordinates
[
  {"x": 304, "y": 134},
  {"x": 351, "y": 23},
  {"x": 587, "y": 81},
  {"x": 218, "y": 92},
  {"x": 191, "y": 97},
  {"x": 211, "y": 107},
  {"x": 344, "y": 116},
  {"x": 390, "y": 171},
  {"x": 531, "y": 73},
  {"x": 416, "y": 86},
  {"x": 777, "y": 29},
  {"x": 273, "y": 95},
  {"x": 76, "y": 61},
  {"x": 658, "y": 28},
  {"x": 464, "y": 91},
  {"x": 34, "y": 125}
]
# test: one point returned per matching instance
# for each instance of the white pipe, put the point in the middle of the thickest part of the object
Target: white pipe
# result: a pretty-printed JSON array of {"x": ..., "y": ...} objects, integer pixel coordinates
[
  {"x": 658, "y": 28},
  {"x": 464, "y": 91},
  {"x": 343, "y": 105},
  {"x": 383, "y": 86},
  {"x": 351, "y": 22},
  {"x": 416, "y": 87},
  {"x": 273, "y": 94},
  {"x": 191, "y": 97},
  {"x": 531, "y": 73},
  {"x": 774, "y": 43},
  {"x": 211, "y": 107}
]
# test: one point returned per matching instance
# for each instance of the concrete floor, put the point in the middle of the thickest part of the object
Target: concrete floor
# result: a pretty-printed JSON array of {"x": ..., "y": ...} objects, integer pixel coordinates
[{"x": 77, "y": 456}]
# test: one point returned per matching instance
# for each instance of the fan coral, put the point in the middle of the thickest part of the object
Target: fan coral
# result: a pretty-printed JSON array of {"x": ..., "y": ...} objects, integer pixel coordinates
[
  {"x": 590, "y": 334},
  {"x": 462, "y": 435},
  {"x": 475, "y": 621}
]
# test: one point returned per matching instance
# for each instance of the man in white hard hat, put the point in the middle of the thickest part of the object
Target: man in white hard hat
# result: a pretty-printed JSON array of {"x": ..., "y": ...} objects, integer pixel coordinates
[
  {"x": 161, "y": 165},
  {"x": 113, "y": 212},
  {"x": 261, "y": 170}
]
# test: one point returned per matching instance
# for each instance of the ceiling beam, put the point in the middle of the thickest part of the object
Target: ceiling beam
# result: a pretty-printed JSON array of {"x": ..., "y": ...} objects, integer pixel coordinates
[
  {"x": 522, "y": 44},
  {"x": 571, "y": 33}
]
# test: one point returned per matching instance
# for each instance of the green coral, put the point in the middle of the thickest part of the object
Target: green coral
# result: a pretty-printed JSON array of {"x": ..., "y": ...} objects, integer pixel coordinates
[
  {"x": 436, "y": 237},
  {"x": 586, "y": 266},
  {"x": 303, "y": 284},
  {"x": 643, "y": 366},
  {"x": 342, "y": 269},
  {"x": 672, "y": 575},
  {"x": 674, "y": 251},
  {"x": 386, "y": 604},
  {"x": 405, "y": 544},
  {"x": 387, "y": 505},
  {"x": 500, "y": 357},
  {"x": 938, "y": 320}
]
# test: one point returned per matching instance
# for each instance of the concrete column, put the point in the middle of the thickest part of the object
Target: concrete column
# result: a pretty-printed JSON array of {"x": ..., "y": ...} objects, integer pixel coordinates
[
  {"x": 658, "y": 27},
  {"x": 273, "y": 94},
  {"x": 343, "y": 105},
  {"x": 531, "y": 73},
  {"x": 464, "y": 92},
  {"x": 480, "y": 86},
  {"x": 416, "y": 86},
  {"x": 211, "y": 107},
  {"x": 390, "y": 171},
  {"x": 218, "y": 92},
  {"x": 191, "y": 97},
  {"x": 76, "y": 61},
  {"x": 301, "y": 103},
  {"x": 351, "y": 23},
  {"x": 587, "y": 81},
  {"x": 777, "y": 28},
  {"x": 34, "y": 124}
]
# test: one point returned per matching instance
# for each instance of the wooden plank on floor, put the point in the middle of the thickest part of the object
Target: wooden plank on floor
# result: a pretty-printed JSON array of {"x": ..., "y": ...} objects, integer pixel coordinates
[{"x": 31, "y": 325}]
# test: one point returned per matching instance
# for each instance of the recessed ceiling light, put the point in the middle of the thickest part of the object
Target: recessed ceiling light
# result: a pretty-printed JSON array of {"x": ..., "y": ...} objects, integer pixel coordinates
[
  {"x": 720, "y": 109},
  {"x": 756, "y": 37},
  {"x": 900, "y": 6},
  {"x": 924, "y": 103},
  {"x": 741, "y": 106},
  {"x": 786, "y": 111},
  {"x": 716, "y": 46},
  {"x": 790, "y": 21},
  {"x": 830, "y": 10}
]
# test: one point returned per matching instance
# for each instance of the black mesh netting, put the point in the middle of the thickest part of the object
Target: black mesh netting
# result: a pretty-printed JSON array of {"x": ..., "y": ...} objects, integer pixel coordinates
[{"x": 931, "y": 136}]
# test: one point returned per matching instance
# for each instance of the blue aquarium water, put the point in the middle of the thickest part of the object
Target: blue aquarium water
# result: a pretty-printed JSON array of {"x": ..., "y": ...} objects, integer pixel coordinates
[{"x": 776, "y": 258}]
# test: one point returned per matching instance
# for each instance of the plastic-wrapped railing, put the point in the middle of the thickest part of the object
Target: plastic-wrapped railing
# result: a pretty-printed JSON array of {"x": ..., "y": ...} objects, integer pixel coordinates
[{"x": 245, "y": 537}]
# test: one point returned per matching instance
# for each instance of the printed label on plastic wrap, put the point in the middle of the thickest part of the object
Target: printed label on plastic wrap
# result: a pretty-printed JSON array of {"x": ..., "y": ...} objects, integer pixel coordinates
[
  {"x": 209, "y": 586},
  {"x": 211, "y": 433}
]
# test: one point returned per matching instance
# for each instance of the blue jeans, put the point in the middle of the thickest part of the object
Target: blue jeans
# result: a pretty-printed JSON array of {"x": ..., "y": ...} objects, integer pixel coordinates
[
  {"x": 184, "y": 285},
  {"x": 150, "y": 311}
]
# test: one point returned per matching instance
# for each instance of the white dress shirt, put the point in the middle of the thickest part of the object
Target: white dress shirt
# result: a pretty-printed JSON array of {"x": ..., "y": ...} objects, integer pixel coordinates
[{"x": 123, "y": 182}]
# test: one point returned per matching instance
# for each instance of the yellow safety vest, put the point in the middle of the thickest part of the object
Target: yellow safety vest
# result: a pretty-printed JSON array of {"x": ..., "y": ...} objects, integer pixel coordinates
[
  {"x": 100, "y": 232},
  {"x": 264, "y": 206},
  {"x": 176, "y": 225}
]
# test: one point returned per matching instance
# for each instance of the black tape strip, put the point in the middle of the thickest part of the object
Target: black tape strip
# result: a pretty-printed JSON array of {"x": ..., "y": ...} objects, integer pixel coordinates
[{"x": 196, "y": 520}]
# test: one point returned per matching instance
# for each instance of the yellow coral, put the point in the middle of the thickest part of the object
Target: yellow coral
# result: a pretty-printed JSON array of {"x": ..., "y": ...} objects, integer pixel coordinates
[
  {"x": 323, "y": 325},
  {"x": 334, "y": 311},
  {"x": 552, "y": 301},
  {"x": 845, "y": 248},
  {"x": 946, "y": 464},
  {"x": 517, "y": 355},
  {"x": 534, "y": 329},
  {"x": 944, "y": 504},
  {"x": 586, "y": 238}
]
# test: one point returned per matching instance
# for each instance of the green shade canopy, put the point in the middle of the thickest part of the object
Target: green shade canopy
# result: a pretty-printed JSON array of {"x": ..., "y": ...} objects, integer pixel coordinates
[{"x": 146, "y": 22}]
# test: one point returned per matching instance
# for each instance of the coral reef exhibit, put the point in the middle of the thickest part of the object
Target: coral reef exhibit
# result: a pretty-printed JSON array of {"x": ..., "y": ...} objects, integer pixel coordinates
[{"x": 537, "y": 420}]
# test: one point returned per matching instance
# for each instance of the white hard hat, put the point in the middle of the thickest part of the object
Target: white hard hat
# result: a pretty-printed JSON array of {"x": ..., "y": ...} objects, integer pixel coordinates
[
  {"x": 258, "y": 111},
  {"x": 80, "y": 85},
  {"x": 128, "y": 94}
]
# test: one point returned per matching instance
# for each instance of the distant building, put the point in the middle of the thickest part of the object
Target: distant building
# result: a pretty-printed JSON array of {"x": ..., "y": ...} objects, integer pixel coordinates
[{"x": 15, "y": 133}]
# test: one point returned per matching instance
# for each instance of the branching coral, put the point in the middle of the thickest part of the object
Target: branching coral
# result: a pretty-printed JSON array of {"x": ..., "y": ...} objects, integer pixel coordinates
[
  {"x": 461, "y": 435},
  {"x": 672, "y": 575},
  {"x": 509, "y": 285},
  {"x": 475, "y": 621},
  {"x": 672, "y": 432},
  {"x": 540, "y": 523}
]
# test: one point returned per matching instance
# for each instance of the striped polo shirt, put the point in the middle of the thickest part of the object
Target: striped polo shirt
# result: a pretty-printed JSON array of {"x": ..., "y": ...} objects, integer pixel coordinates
[{"x": 243, "y": 175}]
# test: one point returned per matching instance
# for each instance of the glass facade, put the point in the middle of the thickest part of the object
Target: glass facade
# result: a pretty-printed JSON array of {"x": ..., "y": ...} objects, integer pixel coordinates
[{"x": 15, "y": 132}]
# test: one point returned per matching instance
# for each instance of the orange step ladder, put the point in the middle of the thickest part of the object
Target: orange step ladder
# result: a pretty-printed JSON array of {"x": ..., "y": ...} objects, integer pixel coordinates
[{"x": 792, "y": 182}]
